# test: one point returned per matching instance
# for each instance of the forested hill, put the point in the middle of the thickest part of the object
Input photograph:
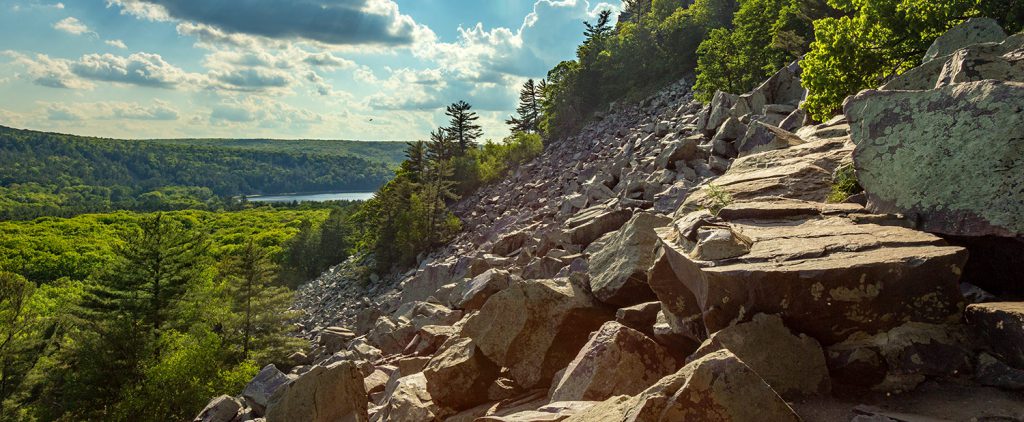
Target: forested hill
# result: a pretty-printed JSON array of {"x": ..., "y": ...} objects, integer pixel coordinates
[
  {"x": 390, "y": 153},
  {"x": 56, "y": 174}
]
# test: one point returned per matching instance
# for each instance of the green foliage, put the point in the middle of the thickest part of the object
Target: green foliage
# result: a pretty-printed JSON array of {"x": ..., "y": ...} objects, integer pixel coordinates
[
  {"x": 497, "y": 159},
  {"x": 109, "y": 345},
  {"x": 874, "y": 41},
  {"x": 656, "y": 44},
  {"x": 528, "y": 111},
  {"x": 718, "y": 198},
  {"x": 844, "y": 184},
  {"x": 766, "y": 34},
  {"x": 46, "y": 174}
]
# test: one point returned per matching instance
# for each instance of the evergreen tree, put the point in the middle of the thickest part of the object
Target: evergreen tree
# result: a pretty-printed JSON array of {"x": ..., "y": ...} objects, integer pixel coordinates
[
  {"x": 600, "y": 29},
  {"x": 415, "y": 160},
  {"x": 334, "y": 239},
  {"x": 528, "y": 119},
  {"x": 155, "y": 265},
  {"x": 15, "y": 292},
  {"x": 462, "y": 127},
  {"x": 260, "y": 307},
  {"x": 442, "y": 146}
]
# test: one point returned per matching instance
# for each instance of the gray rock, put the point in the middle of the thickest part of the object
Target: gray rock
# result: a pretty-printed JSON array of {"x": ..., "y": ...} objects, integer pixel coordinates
[
  {"x": 220, "y": 409},
  {"x": 618, "y": 271},
  {"x": 258, "y": 392},
  {"x": 973, "y": 31}
]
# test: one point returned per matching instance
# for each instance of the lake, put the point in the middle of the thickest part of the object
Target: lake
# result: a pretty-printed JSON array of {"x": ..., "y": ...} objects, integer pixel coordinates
[{"x": 313, "y": 197}]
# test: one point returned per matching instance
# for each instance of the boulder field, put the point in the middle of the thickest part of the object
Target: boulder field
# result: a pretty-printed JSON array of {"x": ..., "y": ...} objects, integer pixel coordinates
[{"x": 675, "y": 261}]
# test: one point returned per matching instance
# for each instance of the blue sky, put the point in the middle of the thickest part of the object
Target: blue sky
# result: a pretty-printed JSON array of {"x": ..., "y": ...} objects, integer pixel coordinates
[{"x": 330, "y": 69}]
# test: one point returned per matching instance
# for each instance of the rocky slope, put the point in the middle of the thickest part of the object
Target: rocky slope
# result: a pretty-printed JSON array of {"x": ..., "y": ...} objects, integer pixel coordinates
[{"x": 678, "y": 262}]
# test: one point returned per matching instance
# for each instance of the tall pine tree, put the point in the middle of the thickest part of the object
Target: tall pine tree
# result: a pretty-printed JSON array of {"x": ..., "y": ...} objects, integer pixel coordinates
[
  {"x": 528, "y": 119},
  {"x": 462, "y": 127}
]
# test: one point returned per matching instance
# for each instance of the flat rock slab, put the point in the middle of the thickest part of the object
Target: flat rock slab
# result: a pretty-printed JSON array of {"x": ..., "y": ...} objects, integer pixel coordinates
[
  {"x": 953, "y": 157},
  {"x": 825, "y": 276}
]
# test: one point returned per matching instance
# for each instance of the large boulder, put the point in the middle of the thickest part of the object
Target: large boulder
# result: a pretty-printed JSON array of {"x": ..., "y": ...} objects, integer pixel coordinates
[
  {"x": 716, "y": 387},
  {"x": 535, "y": 328},
  {"x": 590, "y": 224},
  {"x": 617, "y": 360},
  {"x": 426, "y": 282},
  {"x": 683, "y": 316},
  {"x": 324, "y": 394},
  {"x": 220, "y": 409},
  {"x": 258, "y": 392},
  {"x": 824, "y": 274},
  {"x": 407, "y": 400},
  {"x": 458, "y": 377},
  {"x": 618, "y": 271},
  {"x": 476, "y": 292},
  {"x": 950, "y": 157},
  {"x": 972, "y": 31},
  {"x": 1001, "y": 325},
  {"x": 793, "y": 365}
]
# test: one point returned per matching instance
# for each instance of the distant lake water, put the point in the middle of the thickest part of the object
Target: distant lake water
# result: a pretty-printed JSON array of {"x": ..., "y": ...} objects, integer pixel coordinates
[{"x": 314, "y": 197}]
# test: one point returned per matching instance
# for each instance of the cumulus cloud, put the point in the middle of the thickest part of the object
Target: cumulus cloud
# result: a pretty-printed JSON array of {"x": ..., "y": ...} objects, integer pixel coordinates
[
  {"x": 72, "y": 26},
  {"x": 339, "y": 22},
  {"x": 263, "y": 112},
  {"x": 160, "y": 110},
  {"x": 45, "y": 71},
  {"x": 116, "y": 44},
  {"x": 63, "y": 112},
  {"x": 142, "y": 69}
]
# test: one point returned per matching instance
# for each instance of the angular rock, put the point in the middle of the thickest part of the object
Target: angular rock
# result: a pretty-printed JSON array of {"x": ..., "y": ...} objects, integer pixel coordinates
[
  {"x": 1001, "y": 325},
  {"x": 793, "y": 365},
  {"x": 324, "y": 394},
  {"x": 825, "y": 276},
  {"x": 716, "y": 387},
  {"x": 258, "y": 392},
  {"x": 220, "y": 409},
  {"x": 480, "y": 288},
  {"x": 617, "y": 360},
  {"x": 972, "y": 31},
  {"x": 682, "y": 312},
  {"x": 618, "y": 271},
  {"x": 588, "y": 225},
  {"x": 426, "y": 282},
  {"x": 721, "y": 104},
  {"x": 408, "y": 401},
  {"x": 640, "y": 317},
  {"x": 968, "y": 134},
  {"x": 900, "y": 359},
  {"x": 682, "y": 149},
  {"x": 429, "y": 339},
  {"x": 459, "y": 376},
  {"x": 334, "y": 339},
  {"x": 509, "y": 243},
  {"x": 535, "y": 328}
]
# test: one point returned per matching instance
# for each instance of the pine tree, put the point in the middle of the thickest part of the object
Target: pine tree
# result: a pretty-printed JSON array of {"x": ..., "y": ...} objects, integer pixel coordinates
[
  {"x": 261, "y": 308},
  {"x": 528, "y": 119},
  {"x": 462, "y": 127},
  {"x": 600, "y": 29},
  {"x": 15, "y": 292},
  {"x": 415, "y": 160},
  {"x": 334, "y": 239},
  {"x": 442, "y": 146},
  {"x": 154, "y": 267}
]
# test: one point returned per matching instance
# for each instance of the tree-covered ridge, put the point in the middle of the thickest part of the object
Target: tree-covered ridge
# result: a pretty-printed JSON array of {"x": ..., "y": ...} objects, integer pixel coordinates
[
  {"x": 389, "y": 153},
  {"x": 130, "y": 316},
  {"x": 54, "y": 174}
]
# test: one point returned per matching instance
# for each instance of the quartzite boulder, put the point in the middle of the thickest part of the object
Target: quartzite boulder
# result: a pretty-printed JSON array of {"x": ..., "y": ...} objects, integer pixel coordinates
[
  {"x": 458, "y": 377},
  {"x": 682, "y": 313},
  {"x": 590, "y": 224},
  {"x": 716, "y": 387},
  {"x": 535, "y": 328},
  {"x": 1001, "y": 325},
  {"x": 793, "y": 365},
  {"x": 476, "y": 292},
  {"x": 824, "y": 275},
  {"x": 618, "y": 271},
  {"x": 220, "y": 409},
  {"x": 258, "y": 392},
  {"x": 324, "y": 394},
  {"x": 407, "y": 401},
  {"x": 952, "y": 157},
  {"x": 972, "y": 31},
  {"x": 617, "y": 360}
]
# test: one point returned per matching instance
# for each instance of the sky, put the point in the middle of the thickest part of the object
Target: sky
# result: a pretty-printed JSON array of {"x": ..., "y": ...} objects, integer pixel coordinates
[{"x": 324, "y": 69}]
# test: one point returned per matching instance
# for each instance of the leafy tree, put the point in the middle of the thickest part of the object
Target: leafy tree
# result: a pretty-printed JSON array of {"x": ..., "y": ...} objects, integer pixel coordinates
[
  {"x": 874, "y": 41},
  {"x": 462, "y": 127},
  {"x": 334, "y": 238},
  {"x": 15, "y": 293},
  {"x": 528, "y": 110}
]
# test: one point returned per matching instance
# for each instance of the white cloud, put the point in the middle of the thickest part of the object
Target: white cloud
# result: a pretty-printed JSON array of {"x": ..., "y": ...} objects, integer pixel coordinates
[
  {"x": 141, "y": 69},
  {"x": 116, "y": 44},
  {"x": 63, "y": 112},
  {"x": 261, "y": 111},
  {"x": 72, "y": 26},
  {"x": 49, "y": 72}
]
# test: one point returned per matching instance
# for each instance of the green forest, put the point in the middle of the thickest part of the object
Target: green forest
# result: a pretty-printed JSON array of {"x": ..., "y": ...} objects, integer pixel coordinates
[
  {"x": 145, "y": 316},
  {"x": 134, "y": 288},
  {"x": 47, "y": 174}
]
